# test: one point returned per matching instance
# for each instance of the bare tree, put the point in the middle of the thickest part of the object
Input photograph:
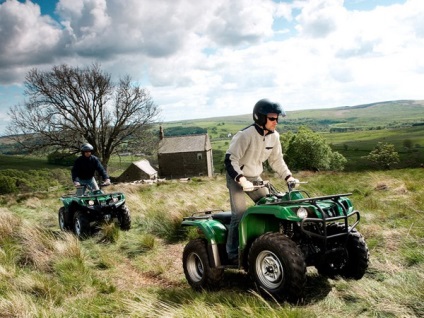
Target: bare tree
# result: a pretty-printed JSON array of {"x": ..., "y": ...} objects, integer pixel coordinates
[{"x": 68, "y": 106}]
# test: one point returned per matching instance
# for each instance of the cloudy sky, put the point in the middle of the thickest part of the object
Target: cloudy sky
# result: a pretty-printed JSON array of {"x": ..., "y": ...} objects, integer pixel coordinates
[{"x": 207, "y": 58}]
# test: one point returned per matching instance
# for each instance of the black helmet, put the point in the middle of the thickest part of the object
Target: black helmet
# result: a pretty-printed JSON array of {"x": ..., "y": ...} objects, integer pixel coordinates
[
  {"x": 86, "y": 147},
  {"x": 264, "y": 107}
]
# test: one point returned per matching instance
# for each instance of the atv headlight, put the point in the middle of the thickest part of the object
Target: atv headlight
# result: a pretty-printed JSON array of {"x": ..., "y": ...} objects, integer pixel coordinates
[
  {"x": 90, "y": 202},
  {"x": 302, "y": 212},
  {"x": 115, "y": 199}
]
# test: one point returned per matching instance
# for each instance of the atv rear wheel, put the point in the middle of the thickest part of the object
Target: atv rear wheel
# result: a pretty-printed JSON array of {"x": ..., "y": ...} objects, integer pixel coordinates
[
  {"x": 196, "y": 266},
  {"x": 124, "y": 218},
  {"x": 64, "y": 223},
  {"x": 277, "y": 266},
  {"x": 81, "y": 225},
  {"x": 350, "y": 260}
]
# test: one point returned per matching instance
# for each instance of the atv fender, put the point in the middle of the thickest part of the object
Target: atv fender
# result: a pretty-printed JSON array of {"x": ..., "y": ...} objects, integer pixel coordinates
[
  {"x": 261, "y": 219},
  {"x": 214, "y": 232}
]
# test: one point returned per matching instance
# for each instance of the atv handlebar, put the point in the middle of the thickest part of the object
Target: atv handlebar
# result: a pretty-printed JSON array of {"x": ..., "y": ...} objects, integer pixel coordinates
[
  {"x": 272, "y": 190},
  {"x": 265, "y": 183},
  {"x": 260, "y": 184},
  {"x": 293, "y": 184},
  {"x": 83, "y": 188}
]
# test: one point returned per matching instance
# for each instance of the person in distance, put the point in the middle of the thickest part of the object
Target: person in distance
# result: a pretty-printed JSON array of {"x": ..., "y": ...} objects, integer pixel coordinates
[
  {"x": 84, "y": 168},
  {"x": 244, "y": 159}
]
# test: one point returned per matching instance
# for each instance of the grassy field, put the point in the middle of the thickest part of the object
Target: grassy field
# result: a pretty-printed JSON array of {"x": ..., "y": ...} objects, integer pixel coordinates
[
  {"x": 353, "y": 145},
  {"x": 23, "y": 162},
  {"x": 117, "y": 165},
  {"x": 389, "y": 122},
  {"x": 368, "y": 139},
  {"x": 357, "y": 144},
  {"x": 47, "y": 273},
  {"x": 384, "y": 115}
]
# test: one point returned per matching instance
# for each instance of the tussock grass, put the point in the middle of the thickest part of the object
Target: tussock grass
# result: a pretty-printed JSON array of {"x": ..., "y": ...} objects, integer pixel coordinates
[
  {"x": 138, "y": 273},
  {"x": 109, "y": 233},
  {"x": 9, "y": 222},
  {"x": 188, "y": 304}
]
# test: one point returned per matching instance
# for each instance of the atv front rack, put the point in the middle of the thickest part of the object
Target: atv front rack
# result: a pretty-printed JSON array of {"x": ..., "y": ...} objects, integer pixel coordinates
[{"x": 324, "y": 221}]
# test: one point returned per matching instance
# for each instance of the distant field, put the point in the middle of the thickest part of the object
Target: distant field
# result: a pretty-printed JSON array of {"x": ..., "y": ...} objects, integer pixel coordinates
[
  {"x": 392, "y": 114},
  {"x": 24, "y": 162},
  {"x": 117, "y": 164},
  {"x": 368, "y": 139},
  {"x": 355, "y": 145},
  {"x": 392, "y": 122},
  {"x": 352, "y": 145}
]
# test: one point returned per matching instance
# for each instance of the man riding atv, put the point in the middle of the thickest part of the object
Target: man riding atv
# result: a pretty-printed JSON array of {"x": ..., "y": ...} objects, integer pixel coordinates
[
  {"x": 89, "y": 208},
  {"x": 85, "y": 166},
  {"x": 244, "y": 159},
  {"x": 278, "y": 237}
]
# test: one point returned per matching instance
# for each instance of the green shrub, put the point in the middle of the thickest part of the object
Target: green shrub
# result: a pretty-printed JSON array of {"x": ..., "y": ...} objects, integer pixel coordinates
[
  {"x": 384, "y": 155},
  {"x": 307, "y": 150},
  {"x": 13, "y": 180},
  {"x": 7, "y": 185}
]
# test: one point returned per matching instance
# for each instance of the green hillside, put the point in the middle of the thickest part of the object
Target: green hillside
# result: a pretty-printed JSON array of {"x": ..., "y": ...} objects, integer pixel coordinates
[
  {"x": 391, "y": 114},
  {"x": 351, "y": 130}
]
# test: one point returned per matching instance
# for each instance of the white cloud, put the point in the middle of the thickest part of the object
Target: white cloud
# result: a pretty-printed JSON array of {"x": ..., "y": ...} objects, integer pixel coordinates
[
  {"x": 214, "y": 58},
  {"x": 27, "y": 39},
  {"x": 320, "y": 18},
  {"x": 240, "y": 22}
]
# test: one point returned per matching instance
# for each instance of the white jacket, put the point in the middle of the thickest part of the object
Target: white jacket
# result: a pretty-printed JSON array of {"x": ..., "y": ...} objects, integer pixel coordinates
[{"x": 250, "y": 148}]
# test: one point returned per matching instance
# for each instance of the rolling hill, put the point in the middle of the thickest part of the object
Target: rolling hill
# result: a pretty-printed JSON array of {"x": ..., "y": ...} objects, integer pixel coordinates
[
  {"x": 351, "y": 130},
  {"x": 389, "y": 114}
]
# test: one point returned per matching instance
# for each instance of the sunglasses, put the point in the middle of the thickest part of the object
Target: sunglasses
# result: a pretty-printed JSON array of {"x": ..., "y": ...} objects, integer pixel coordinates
[{"x": 273, "y": 118}]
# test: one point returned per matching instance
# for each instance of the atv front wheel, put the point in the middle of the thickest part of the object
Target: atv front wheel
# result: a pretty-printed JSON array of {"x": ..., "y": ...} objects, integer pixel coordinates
[
  {"x": 64, "y": 223},
  {"x": 196, "y": 266},
  {"x": 124, "y": 218},
  {"x": 81, "y": 225},
  {"x": 349, "y": 259},
  {"x": 277, "y": 266}
]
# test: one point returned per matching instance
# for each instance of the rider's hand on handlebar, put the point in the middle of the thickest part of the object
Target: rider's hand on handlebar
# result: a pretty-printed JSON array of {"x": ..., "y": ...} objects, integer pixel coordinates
[
  {"x": 246, "y": 184},
  {"x": 294, "y": 183},
  {"x": 76, "y": 183}
]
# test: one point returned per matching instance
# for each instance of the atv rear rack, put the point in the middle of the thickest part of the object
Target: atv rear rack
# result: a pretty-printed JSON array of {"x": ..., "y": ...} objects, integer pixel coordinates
[{"x": 221, "y": 215}]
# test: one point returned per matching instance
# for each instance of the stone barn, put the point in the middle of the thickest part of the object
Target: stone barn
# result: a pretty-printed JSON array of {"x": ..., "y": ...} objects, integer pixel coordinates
[
  {"x": 185, "y": 156},
  {"x": 138, "y": 170}
]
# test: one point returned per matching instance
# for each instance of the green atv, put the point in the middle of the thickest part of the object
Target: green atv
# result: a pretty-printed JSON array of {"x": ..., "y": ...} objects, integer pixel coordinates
[
  {"x": 279, "y": 237},
  {"x": 84, "y": 212}
]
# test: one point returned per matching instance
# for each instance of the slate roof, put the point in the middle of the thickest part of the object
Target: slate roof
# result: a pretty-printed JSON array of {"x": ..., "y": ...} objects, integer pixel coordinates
[{"x": 188, "y": 143}]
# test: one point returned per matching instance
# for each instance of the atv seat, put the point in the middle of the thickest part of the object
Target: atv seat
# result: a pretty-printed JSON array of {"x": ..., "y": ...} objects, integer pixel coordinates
[{"x": 223, "y": 217}]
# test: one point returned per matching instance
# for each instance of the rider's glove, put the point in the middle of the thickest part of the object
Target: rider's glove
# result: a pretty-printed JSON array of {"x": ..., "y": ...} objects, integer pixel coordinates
[
  {"x": 107, "y": 182},
  {"x": 246, "y": 184},
  {"x": 76, "y": 183},
  {"x": 293, "y": 182}
]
